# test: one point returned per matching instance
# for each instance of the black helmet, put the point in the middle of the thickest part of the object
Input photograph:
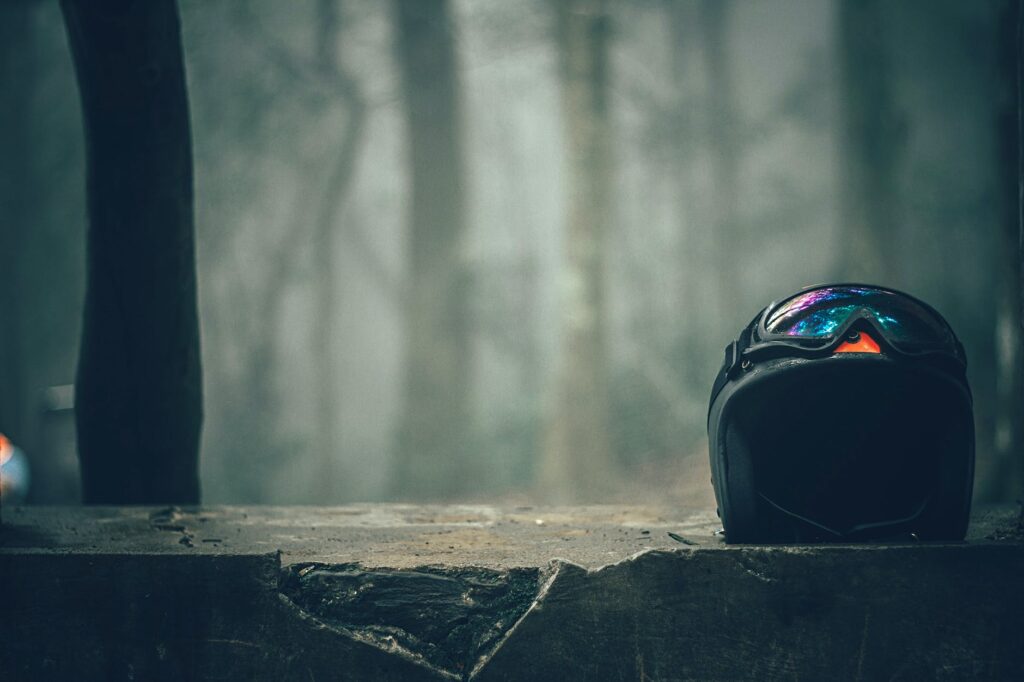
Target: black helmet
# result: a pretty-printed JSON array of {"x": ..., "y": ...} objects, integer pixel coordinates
[{"x": 843, "y": 413}]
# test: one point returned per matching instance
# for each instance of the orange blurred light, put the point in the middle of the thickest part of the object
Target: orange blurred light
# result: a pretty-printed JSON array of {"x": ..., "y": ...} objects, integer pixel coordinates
[
  {"x": 6, "y": 449},
  {"x": 864, "y": 344}
]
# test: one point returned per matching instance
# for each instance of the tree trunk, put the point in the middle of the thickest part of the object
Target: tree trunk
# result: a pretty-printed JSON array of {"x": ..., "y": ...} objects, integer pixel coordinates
[
  {"x": 577, "y": 462},
  {"x": 1007, "y": 476},
  {"x": 433, "y": 456},
  {"x": 1019, "y": 454},
  {"x": 138, "y": 391},
  {"x": 873, "y": 140}
]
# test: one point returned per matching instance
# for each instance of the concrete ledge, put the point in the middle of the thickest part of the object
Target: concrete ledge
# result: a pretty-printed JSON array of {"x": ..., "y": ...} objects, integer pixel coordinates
[{"x": 467, "y": 592}]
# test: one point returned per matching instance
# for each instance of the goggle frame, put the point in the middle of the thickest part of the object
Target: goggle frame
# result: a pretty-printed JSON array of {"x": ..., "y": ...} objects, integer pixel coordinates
[{"x": 764, "y": 344}]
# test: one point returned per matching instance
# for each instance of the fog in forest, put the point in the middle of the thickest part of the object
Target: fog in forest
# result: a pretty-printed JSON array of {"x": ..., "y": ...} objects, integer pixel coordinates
[{"x": 492, "y": 251}]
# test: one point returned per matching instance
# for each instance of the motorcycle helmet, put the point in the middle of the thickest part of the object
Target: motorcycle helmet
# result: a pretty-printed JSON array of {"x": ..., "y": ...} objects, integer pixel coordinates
[{"x": 842, "y": 413}]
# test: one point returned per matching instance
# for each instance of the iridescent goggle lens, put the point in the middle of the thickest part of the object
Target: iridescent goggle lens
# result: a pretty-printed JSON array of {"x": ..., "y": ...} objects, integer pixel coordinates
[{"x": 818, "y": 313}]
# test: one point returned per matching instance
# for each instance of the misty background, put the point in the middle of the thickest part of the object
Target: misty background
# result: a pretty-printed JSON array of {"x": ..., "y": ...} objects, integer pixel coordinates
[{"x": 538, "y": 317}]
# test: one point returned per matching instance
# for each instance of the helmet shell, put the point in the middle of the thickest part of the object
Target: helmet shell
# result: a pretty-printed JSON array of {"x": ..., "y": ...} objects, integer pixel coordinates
[{"x": 845, "y": 447}]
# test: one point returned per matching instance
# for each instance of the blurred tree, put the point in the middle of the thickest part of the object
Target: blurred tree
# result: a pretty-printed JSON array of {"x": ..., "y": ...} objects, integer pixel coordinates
[
  {"x": 1007, "y": 475},
  {"x": 873, "y": 139},
  {"x": 340, "y": 173},
  {"x": 721, "y": 132},
  {"x": 16, "y": 82},
  {"x": 313, "y": 76},
  {"x": 689, "y": 53},
  {"x": 680, "y": 137},
  {"x": 41, "y": 238},
  {"x": 433, "y": 458},
  {"x": 138, "y": 390},
  {"x": 577, "y": 461}
]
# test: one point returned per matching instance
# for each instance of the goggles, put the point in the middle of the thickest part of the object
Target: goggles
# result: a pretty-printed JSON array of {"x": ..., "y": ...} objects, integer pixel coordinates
[{"x": 836, "y": 318}]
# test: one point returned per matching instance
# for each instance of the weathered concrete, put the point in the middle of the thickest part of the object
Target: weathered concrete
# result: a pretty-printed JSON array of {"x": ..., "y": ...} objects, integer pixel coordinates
[{"x": 458, "y": 592}]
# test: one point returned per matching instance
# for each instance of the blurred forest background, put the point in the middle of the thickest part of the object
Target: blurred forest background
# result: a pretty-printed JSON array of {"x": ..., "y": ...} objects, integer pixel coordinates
[{"x": 485, "y": 250}]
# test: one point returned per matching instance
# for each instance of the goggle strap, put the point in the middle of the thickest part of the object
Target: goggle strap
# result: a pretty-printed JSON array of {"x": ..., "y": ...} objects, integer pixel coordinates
[{"x": 733, "y": 359}]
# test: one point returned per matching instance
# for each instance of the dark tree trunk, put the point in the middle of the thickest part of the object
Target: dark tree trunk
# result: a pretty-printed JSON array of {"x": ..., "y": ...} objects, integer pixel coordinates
[
  {"x": 873, "y": 140},
  {"x": 433, "y": 449},
  {"x": 138, "y": 390},
  {"x": 1007, "y": 476},
  {"x": 1020, "y": 160},
  {"x": 1019, "y": 454},
  {"x": 577, "y": 462}
]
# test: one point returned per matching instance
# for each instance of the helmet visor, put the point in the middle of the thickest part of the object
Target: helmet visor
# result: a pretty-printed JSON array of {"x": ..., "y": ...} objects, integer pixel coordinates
[{"x": 819, "y": 313}]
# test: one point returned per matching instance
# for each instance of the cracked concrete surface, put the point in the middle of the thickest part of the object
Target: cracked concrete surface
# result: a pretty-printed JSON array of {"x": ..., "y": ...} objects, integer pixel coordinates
[
  {"x": 396, "y": 592},
  {"x": 450, "y": 616}
]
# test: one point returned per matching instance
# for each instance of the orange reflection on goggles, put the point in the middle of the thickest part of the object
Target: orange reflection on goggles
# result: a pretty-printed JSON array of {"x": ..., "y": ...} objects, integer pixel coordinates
[{"x": 863, "y": 344}]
